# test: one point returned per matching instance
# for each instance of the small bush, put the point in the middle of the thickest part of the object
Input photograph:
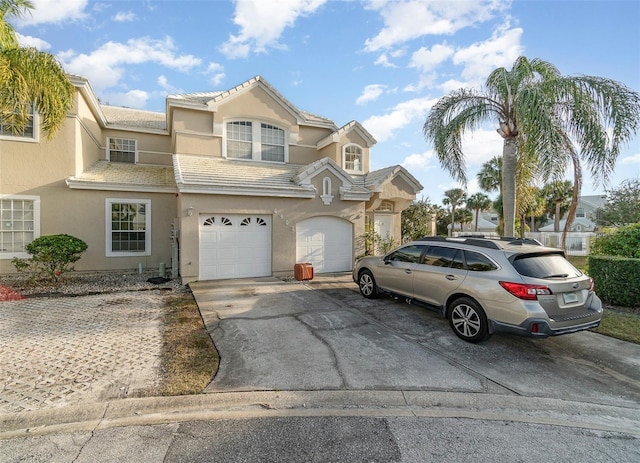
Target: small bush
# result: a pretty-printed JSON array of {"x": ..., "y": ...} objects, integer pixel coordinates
[{"x": 51, "y": 256}]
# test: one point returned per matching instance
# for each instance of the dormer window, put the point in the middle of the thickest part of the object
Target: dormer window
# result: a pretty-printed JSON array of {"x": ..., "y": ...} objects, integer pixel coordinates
[
  {"x": 254, "y": 140},
  {"x": 122, "y": 150},
  {"x": 352, "y": 159}
]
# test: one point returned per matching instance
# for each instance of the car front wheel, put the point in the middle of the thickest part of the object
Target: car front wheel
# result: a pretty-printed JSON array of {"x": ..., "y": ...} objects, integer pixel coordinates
[
  {"x": 367, "y": 285},
  {"x": 468, "y": 321}
]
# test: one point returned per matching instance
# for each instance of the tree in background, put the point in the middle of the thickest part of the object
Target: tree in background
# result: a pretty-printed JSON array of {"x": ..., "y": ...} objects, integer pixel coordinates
[
  {"x": 478, "y": 202},
  {"x": 558, "y": 196},
  {"x": 416, "y": 220},
  {"x": 540, "y": 114},
  {"x": 463, "y": 216},
  {"x": 31, "y": 81},
  {"x": 623, "y": 205},
  {"x": 453, "y": 198}
]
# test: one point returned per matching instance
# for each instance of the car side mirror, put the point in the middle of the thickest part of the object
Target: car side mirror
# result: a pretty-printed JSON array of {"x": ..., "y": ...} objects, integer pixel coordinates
[{"x": 387, "y": 260}]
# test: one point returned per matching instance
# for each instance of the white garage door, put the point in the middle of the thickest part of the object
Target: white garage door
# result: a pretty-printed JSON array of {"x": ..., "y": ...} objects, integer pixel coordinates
[
  {"x": 234, "y": 246},
  {"x": 326, "y": 242}
]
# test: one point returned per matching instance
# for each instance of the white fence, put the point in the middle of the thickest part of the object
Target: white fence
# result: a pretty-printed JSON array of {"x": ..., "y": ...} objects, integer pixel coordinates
[{"x": 578, "y": 244}]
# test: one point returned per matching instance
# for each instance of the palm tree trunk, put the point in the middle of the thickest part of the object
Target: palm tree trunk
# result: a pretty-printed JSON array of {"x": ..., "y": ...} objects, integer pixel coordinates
[
  {"x": 556, "y": 218},
  {"x": 509, "y": 186},
  {"x": 477, "y": 212},
  {"x": 577, "y": 187}
]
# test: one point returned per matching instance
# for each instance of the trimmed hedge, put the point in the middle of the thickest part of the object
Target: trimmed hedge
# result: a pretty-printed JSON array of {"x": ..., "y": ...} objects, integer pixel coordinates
[{"x": 616, "y": 279}]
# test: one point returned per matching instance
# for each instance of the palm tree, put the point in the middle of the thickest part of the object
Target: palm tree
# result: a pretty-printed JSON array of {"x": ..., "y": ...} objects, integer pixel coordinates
[
  {"x": 454, "y": 197},
  {"x": 540, "y": 115},
  {"x": 490, "y": 175},
  {"x": 478, "y": 202},
  {"x": 463, "y": 216},
  {"x": 558, "y": 195},
  {"x": 31, "y": 81}
]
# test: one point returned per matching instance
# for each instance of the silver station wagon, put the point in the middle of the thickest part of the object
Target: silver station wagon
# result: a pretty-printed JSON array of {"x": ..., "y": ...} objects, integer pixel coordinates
[{"x": 484, "y": 286}]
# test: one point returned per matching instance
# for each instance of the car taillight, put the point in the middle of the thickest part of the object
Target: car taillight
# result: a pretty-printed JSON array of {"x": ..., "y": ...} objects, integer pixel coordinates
[{"x": 524, "y": 291}]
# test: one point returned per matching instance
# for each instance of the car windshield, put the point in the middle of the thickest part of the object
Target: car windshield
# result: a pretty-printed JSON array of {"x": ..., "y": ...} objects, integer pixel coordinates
[{"x": 545, "y": 266}]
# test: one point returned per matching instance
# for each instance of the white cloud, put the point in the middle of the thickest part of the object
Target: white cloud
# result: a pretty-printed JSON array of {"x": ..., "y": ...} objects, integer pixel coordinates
[
  {"x": 383, "y": 60},
  {"x": 634, "y": 159},
  {"x": 35, "y": 42},
  {"x": 261, "y": 25},
  {"x": 124, "y": 16},
  {"x": 370, "y": 93},
  {"x": 54, "y": 11},
  {"x": 426, "y": 60},
  {"x": 410, "y": 19},
  {"x": 501, "y": 50},
  {"x": 164, "y": 83},
  {"x": 403, "y": 114},
  {"x": 216, "y": 73},
  {"x": 420, "y": 161},
  {"x": 105, "y": 66},
  {"x": 481, "y": 145},
  {"x": 130, "y": 99}
]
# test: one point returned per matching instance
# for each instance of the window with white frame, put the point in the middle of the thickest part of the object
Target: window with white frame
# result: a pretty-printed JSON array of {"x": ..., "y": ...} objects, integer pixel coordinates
[
  {"x": 122, "y": 150},
  {"x": 580, "y": 212},
  {"x": 128, "y": 227},
  {"x": 30, "y": 131},
  {"x": 352, "y": 158},
  {"x": 19, "y": 224},
  {"x": 254, "y": 140}
]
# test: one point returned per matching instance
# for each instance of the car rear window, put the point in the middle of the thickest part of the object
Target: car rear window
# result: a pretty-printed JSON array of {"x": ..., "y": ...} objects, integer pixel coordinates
[{"x": 545, "y": 266}]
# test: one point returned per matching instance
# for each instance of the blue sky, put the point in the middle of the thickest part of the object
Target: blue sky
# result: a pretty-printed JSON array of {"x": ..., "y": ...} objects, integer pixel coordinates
[{"x": 381, "y": 63}]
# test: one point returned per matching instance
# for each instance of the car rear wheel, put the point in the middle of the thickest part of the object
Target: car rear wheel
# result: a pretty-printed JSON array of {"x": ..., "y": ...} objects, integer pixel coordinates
[
  {"x": 367, "y": 285},
  {"x": 468, "y": 321}
]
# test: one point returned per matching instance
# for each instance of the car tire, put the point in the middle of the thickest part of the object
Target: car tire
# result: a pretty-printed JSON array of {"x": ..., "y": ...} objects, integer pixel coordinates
[
  {"x": 468, "y": 321},
  {"x": 367, "y": 285}
]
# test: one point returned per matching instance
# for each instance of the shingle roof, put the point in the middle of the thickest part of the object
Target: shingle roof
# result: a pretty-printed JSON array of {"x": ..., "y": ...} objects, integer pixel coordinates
[
  {"x": 218, "y": 175},
  {"x": 375, "y": 179},
  {"x": 141, "y": 176},
  {"x": 134, "y": 118}
]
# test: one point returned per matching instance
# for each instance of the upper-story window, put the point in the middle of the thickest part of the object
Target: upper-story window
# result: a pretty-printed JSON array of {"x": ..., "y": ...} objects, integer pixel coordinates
[
  {"x": 30, "y": 131},
  {"x": 122, "y": 150},
  {"x": 254, "y": 140},
  {"x": 352, "y": 158},
  {"x": 580, "y": 212}
]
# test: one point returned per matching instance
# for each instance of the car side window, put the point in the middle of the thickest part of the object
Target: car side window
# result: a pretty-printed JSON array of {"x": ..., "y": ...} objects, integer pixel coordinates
[
  {"x": 477, "y": 262},
  {"x": 443, "y": 257},
  {"x": 409, "y": 253}
]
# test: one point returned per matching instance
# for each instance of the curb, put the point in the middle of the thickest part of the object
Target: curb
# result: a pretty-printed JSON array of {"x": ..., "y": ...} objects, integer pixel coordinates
[{"x": 266, "y": 404}]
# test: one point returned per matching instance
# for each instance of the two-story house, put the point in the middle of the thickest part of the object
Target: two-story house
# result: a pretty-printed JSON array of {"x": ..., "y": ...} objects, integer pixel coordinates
[{"x": 230, "y": 184}]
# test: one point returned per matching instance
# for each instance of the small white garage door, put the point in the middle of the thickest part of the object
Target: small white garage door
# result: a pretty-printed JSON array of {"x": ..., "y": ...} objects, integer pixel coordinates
[
  {"x": 326, "y": 242},
  {"x": 234, "y": 246}
]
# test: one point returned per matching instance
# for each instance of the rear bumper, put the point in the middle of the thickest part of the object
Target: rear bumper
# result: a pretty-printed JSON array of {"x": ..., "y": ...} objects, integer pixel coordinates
[{"x": 539, "y": 328}]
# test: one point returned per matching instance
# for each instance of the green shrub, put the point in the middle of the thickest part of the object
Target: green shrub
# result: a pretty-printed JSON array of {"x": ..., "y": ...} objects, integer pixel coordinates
[
  {"x": 616, "y": 279},
  {"x": 623, "y": 242},
  {"x": 51, "y": 256}
]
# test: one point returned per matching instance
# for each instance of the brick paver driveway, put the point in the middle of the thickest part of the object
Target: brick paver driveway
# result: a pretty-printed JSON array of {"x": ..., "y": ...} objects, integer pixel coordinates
[{"x": 71, "y": 350}]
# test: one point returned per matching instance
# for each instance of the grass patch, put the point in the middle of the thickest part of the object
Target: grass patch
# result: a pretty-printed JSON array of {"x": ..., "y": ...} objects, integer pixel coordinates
[
  {"x": 620, "y": 324},
  {"x": 189, "y": 358}
]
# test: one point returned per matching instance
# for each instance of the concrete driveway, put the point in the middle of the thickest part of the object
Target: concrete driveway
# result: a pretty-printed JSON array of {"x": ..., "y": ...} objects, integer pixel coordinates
[{"x": 273, "y": 335}]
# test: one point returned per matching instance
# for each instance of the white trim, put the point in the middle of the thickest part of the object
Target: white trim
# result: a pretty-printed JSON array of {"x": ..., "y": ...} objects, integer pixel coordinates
[
  {"x": 36, "y": 131},
  {"x": 36, "y": 223},
  {"x": 147, "y": 237},
  {"x": 135, "y": 148},
  {"x": 256, "y": 139},
  {"x": 361, "y": 161}
]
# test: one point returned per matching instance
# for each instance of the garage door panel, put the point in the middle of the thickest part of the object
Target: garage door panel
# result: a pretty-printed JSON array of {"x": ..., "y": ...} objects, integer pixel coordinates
[
  {"x": 326, "y": 242},
  {"x": 235, "y": 246}
]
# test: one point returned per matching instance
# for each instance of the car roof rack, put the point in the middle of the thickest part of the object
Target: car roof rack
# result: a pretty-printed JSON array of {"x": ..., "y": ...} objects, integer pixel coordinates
[{"x": 485, "y": 242}]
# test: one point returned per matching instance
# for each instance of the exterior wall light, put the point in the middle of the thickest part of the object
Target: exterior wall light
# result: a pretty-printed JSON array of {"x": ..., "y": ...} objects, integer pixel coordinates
[{"x": 190, "y": 210}]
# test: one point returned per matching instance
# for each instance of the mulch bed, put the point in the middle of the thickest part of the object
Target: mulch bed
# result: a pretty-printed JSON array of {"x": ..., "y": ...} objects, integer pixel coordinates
[{"x": 8, "y": 294}]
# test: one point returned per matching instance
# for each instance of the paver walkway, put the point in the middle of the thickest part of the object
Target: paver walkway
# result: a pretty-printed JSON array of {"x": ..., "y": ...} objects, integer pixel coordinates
[{"x": 62, "y": 351}]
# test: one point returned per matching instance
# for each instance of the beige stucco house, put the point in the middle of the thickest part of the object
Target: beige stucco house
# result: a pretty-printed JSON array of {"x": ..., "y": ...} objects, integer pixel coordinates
[{"x": 230, "y": 184}]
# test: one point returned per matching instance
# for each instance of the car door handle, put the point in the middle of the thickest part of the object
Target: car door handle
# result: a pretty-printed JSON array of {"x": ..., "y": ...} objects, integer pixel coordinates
[
  {"x": 407, "y": 271},
  {"x": 451, "y": 277}
]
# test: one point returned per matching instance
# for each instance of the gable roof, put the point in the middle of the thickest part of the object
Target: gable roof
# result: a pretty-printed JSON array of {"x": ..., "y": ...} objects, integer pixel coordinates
[
  {"x": 375, "y": 180},
  {"x": 353, "y": 126},
  {"x": 351, "y": 188},
  {"x": 211, "y": 101}
]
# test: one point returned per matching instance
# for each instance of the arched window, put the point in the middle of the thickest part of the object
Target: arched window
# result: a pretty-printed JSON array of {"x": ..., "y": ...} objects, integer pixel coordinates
[
  {"x": 352, "y": 158},
  {"x": 385, "y": 206}
]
